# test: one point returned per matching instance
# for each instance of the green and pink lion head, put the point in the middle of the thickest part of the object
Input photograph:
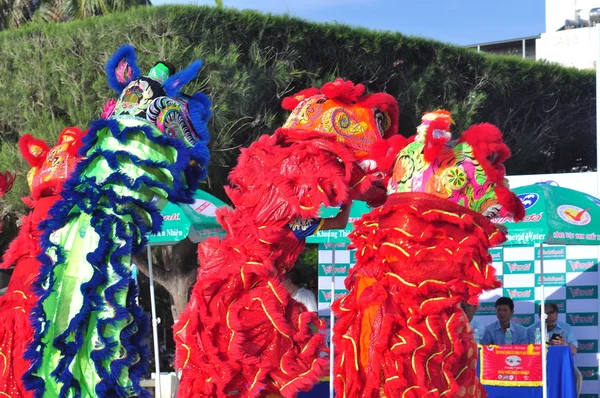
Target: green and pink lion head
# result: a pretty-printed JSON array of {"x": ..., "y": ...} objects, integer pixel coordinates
[{"x": 468, "y": 171}]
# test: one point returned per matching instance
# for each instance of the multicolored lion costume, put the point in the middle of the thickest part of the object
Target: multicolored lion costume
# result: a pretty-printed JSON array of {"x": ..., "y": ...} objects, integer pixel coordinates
[
  {"x": 151, "y": 148},
  {"x": 400, "y": 331},
  {"x": 241, "y": 334},
  {"x": 50, "y": 168}
]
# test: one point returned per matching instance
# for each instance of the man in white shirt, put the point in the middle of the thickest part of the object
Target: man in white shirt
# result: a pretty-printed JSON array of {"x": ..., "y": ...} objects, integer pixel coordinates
[
  {"x": 470, "y": 310},
  {"x": 292, "y": 282}
]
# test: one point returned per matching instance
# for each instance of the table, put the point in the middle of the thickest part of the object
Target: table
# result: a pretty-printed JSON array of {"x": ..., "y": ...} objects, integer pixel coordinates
[{"x": 561, "y": 378}]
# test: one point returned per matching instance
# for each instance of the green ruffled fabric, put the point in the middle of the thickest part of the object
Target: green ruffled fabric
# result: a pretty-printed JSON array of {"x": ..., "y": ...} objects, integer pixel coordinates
[{"x": 92, "y": 333}]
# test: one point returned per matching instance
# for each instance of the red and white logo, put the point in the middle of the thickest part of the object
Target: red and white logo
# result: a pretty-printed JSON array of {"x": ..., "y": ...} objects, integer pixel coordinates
[{"x": 574, "y": 215}]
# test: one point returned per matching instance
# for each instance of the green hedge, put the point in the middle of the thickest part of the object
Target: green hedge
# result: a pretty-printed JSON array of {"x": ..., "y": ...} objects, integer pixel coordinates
[{"x": 53, "y": 76}]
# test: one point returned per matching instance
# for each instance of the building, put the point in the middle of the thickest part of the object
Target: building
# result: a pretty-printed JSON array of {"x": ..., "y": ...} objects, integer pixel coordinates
[
  {"x": 572, "y": 36},
  {"x": 524, "y": 47}
]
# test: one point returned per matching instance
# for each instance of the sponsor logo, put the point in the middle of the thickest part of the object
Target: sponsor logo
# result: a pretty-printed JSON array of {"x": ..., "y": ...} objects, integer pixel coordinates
[
  {"x": 528, "y": 199},
  {"x": 551, "y": 279},
  {"x": 497, "y": 255},
  {"x": 589, "y": 372},
  {"x": 583, "y": 319},
  {"x": 519, "y": 293},
  {"x": 574, "y": 215},
  {"x": 552, "y": 253},
  {"x": 582, "y": 292},
  {"x": 513, "y": 360},
  {"x": 523, "y": 320},
  {"x": 585, "y": 265},
  {"x": 587, "y": 346},
  {"x": 340, "y": 269},
  {"x": 518, "y": 267},
  {"x": 170, "y": 233},
  {"x": 528, "y": 218},
  {"x": 204, "y": 207},
  {"x": 325, "y": 295},
  {"x": 486, "y": 308},
  {"x": 588, "y": 395},
  {"x": 173, "y": 217}
]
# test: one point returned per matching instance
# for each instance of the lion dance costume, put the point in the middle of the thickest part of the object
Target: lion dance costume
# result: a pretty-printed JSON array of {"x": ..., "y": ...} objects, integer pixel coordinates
[
  {"x": 400, "y": 331},
  {"x": 241, "y": 334},
  {"x": 151, "y": 148},
  {"x": 50, "y": 168}
]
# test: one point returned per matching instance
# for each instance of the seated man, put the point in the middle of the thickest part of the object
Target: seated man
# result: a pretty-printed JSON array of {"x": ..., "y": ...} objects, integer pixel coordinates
[
  {"x": 562, "y": 332},
  {"x": 495, "y": 332}
]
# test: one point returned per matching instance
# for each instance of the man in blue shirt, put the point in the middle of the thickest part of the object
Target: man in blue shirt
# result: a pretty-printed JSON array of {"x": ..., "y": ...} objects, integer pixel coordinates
[
  {"x": 495, "y": 332},
  {"x": 563, "y": 332}
]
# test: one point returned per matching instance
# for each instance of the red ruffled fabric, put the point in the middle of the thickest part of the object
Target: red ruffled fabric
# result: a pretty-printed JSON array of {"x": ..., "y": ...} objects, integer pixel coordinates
[
  {"x": 17, "y": 302},
  {"x": 242, "y": 334},
  {"x": 400, "y": 329}
]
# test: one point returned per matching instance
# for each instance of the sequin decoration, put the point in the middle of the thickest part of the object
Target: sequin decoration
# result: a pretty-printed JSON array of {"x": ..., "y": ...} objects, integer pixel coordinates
[
  {"x": 455, "y": 174},
  {"x": 135, "y": 98},
  {"x": 355, "y": 126},
  {"x": 169, "y": 115},
  {"x": 57, "y": 166}
]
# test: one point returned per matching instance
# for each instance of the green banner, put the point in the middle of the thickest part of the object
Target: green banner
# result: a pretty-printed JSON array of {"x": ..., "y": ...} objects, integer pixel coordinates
[
  {"x": 519, "y": 267},
  {"x": 582, "y": 292},
  {"x": 589, "y": 372},
  {"x": 583, "y": 265},
  {"x": 582, "y": 319},
  {"x": 497, "y": 255},
  {"x": 339, "y": 235},
  {"x": 587, "y": 346},
  {"x": 325, "y": 295},
  {"x": 524, "y": 319},
  {"x": 520, "y": 293}
]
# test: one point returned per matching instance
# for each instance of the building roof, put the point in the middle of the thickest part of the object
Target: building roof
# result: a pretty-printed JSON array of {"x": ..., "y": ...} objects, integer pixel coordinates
[{"x": 489, "y": 43}]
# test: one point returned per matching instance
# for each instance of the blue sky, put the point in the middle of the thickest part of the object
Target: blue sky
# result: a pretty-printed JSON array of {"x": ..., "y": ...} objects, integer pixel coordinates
[{"x": 455, "y": 21}]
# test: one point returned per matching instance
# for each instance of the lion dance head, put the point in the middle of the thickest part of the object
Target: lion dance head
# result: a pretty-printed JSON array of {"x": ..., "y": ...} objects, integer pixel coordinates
[
  {"x": 342, "y": 109},
  {"x": 468, "y": 171}
]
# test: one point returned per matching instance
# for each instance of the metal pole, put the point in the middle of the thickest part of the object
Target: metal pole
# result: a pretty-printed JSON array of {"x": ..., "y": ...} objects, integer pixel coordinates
[
  {"x": 543, "y": 324},
  {"x": 597, "y": 27},
  {"x": 524, "y": 49},
  {"x": 331, "y": 322},
  {"x": 157, "y": 390}
]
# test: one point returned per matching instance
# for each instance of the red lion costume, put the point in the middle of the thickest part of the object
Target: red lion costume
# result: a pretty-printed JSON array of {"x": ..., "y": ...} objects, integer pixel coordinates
[
  {"x": 50, "y": 169},
  {"x": 400, "y": 331},
  {"x": 242, "y": 335}
]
